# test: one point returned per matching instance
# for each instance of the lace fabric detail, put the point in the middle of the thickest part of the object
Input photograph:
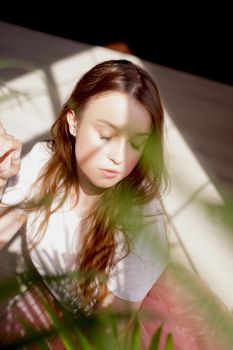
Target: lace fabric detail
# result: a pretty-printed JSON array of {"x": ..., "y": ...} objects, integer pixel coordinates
[{"x": 70, "y": 295}]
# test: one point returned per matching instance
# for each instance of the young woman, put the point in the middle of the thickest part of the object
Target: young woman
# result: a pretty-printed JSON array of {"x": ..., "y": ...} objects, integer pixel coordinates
[{"x": 90, "y": 197}]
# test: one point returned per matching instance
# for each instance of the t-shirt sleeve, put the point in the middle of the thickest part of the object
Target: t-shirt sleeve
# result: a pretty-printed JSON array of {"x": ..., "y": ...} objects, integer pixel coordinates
[
  {"x": 19, "y": 186},
  {"x": 133, "y": 276}
]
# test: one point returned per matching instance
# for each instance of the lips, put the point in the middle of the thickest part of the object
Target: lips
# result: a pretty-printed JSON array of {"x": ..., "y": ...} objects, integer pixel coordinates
[{"x": 109, "y": 173}]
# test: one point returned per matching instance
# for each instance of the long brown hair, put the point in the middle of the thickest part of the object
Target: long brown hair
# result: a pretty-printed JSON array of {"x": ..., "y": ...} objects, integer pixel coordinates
[{"x": 115, "y": 205}]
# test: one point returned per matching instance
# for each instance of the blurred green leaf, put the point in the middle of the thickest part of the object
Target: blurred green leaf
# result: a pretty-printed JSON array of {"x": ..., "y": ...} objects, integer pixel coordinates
[
  {"x": 8, "y": 287},
  {"x": 155, "y": 339},
  {"x": 63, "y": 332},
  {"x": 83, "y": 341},
  {"x": 169, "y": 343},
  {"x": 8, "y": 63},
  {"x": 135, "y": 339},
  {"x": 114, "y": 325}
]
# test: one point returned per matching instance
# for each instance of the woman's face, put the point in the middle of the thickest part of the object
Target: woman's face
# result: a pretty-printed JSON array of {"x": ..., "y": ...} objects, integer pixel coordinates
[{"x": 110, "y": 137}]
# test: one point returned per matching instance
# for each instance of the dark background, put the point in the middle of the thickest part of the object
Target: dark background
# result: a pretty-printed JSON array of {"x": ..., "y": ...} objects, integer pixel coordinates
[{"x": 198, "y": 41}]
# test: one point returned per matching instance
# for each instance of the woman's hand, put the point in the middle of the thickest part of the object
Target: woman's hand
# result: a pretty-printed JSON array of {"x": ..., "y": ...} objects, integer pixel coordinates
[{"x": 10, "y": 150}]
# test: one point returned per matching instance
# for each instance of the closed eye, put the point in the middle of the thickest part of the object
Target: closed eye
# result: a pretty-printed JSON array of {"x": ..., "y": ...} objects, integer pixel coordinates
[
  {"x": 106, "y": 138},
  {"x": 137, "y": 147},
  {"x": 138, "y": 142}
]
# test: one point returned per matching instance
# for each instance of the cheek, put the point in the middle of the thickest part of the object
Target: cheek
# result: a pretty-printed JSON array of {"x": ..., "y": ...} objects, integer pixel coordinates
[
  {"x": 87, "y": 147},
  {"x": 131, "y": 162}
]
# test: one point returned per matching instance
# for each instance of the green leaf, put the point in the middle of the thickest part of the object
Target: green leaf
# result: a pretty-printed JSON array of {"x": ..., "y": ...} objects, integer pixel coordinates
[
  {"x": 85, "y": 345},
  {"x": 42, "y": 345},
  {"x": 114, "y": 326},
  {"x": 64, "y": 334},
  {"x": 169, "y": 343},
  {"x": 9, "y": 287},
  {"x": 155, "y": 339},
  {"x": 135, "y": 340}
]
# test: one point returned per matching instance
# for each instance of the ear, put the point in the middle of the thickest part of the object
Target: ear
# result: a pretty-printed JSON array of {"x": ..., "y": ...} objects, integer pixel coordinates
[{"x": 72, "y": 121}]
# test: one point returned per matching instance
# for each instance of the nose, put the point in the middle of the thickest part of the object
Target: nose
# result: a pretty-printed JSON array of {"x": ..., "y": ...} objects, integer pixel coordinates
[{"x": 117, "y": 152}]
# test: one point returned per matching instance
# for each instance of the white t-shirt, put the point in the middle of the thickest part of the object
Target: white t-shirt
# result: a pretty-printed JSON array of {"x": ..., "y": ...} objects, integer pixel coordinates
[{"x": 131, "y": 278}]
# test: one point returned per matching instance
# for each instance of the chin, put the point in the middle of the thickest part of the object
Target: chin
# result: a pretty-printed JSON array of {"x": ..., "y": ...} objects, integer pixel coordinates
[{"x": 105, "y": 184}]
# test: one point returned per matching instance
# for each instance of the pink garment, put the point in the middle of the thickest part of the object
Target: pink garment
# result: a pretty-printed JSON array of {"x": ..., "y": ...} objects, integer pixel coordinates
[
  {"x": 179, "y": 301},
  {"x": 185, "y": 306}
]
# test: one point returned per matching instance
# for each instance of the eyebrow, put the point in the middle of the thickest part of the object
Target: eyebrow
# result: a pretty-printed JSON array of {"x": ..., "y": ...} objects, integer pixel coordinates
[{"x": 116, "y": 128}]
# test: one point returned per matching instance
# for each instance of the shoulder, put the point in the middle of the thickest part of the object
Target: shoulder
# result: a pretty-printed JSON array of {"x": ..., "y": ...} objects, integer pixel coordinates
[
  {"x": 154, "y": 213},
  {"x": 149, "y": 217},
  {"x": 147, "y": 222},
  {"x": 154, "y": 206},
  {"x": 152, "y": 235},
  {"x": 135, "y": 273}
]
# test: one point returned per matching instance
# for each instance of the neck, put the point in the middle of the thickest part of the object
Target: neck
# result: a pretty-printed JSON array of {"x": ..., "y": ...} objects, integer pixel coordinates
[
  {"x": 86, "y": 186},
  {"x": 86, "y": 199},
  {"x": 87, "y": 194}
]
